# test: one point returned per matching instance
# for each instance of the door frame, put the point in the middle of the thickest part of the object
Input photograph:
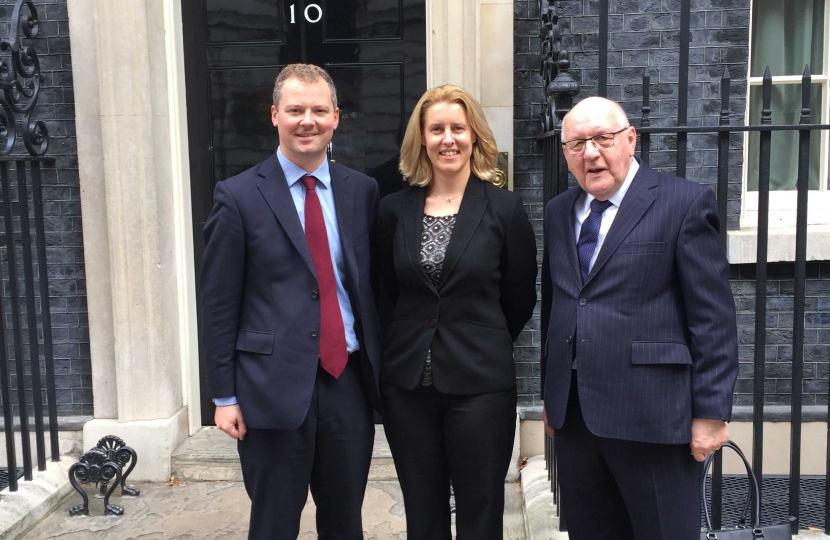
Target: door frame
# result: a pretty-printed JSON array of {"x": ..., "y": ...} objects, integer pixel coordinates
[{"x": 195, "y": 69}]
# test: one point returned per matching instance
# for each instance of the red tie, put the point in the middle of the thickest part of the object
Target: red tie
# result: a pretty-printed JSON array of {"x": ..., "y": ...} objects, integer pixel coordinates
[{"x": 333, "y": 355}]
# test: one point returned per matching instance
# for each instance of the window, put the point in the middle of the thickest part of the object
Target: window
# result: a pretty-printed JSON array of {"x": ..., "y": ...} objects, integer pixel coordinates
[{"x": 786, "y": 36}]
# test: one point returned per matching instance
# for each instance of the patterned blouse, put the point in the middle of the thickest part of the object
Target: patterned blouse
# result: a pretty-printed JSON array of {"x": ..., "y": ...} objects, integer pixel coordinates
[{"x": 435, "y": 238}]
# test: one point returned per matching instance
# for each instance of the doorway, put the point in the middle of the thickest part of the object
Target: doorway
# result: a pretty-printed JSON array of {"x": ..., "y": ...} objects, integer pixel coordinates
[{"x": 374, "y": 50}]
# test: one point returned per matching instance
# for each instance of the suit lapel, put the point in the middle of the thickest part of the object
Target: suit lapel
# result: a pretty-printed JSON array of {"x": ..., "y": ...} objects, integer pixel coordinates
[
  {"x": 566, "y": 224},
  {"x": 274, "y": 189},
  {"x": 344, "y": 209},
  {"x": 469, "y": 216},
  {"x": 413, "y": 213},
  {"x": 637, "y": 200}
]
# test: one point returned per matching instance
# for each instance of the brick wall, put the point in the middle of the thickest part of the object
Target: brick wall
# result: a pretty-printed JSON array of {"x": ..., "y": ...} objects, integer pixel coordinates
[
  {"x": 778, "y": 350},
  {"x": 527, "y": 172},
  {"x": 644, "y": 37},
  {"x": 62, "y": 213}
]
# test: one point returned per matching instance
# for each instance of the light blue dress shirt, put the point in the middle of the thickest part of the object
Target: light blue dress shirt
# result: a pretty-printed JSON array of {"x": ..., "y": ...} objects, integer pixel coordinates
[{"x": 293, "y": 174}]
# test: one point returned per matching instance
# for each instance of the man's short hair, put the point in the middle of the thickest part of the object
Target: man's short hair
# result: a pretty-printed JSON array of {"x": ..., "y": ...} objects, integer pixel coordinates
[{"x": 307, "y": 73}]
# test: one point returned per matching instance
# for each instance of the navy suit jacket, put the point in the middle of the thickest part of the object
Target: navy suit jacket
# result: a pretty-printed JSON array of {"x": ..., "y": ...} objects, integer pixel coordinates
[
  {"x": 260, "y": 306},
  {"x": 653, "y": 327}
]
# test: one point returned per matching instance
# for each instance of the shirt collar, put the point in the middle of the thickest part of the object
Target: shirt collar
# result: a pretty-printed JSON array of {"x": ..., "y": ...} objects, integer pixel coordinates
[
  {"x": 617, "y": 198},
  {"x": 294, "y": 172}
]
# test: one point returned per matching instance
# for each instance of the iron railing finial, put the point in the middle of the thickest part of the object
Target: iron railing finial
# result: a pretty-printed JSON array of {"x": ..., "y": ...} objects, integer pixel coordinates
[
  {"x": 20, "y": 80},
  {"x": 560, "y": 86}
]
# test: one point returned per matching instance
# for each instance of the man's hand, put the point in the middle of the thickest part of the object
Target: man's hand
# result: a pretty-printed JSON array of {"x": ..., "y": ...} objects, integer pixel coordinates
[
  {"x": 548, "y": 429},
  {"x": 707, "y": 437},
  {"x": 229, "y": 420}
]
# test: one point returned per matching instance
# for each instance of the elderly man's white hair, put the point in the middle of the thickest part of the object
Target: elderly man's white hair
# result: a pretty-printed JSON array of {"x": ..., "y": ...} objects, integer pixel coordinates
[{"x": 595, "y": 108}]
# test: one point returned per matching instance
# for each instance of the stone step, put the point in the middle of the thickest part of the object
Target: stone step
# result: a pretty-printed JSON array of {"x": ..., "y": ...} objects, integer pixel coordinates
[
  {"x": 541, "y": 520},
  {"x": 210, "y": 456}
]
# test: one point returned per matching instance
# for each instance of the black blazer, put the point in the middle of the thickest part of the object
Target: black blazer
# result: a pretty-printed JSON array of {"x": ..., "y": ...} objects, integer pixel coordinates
[
  {"x": 486, "y": 294},
  {"x": 260, "y": 310},
  {"x": 653, "y": 328}
]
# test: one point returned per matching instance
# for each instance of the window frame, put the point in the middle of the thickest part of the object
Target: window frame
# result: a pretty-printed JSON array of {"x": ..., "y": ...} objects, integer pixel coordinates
[{"x": 783, "y": 204}]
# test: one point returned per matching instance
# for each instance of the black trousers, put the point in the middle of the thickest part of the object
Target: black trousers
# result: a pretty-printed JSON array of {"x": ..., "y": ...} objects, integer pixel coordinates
[
  {"x": 438, "y": 438},
  {"x": 330, "y": 452},
  {"x": 625, "y": 490}
]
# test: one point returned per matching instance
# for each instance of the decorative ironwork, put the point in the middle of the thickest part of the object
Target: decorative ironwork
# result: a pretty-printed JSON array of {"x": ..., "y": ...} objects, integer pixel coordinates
[
  {"x": 560, "y": 86},
  {"x": 103, "y": 466},
  {"x": 94, "y": 467},
  {"x": 20, "y": 80},
  {"x": 118, "y": 451}
]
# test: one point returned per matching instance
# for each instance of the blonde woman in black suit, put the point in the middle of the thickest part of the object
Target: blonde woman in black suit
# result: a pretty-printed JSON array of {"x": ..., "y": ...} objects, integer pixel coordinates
[{"x": 458, "y": 261}]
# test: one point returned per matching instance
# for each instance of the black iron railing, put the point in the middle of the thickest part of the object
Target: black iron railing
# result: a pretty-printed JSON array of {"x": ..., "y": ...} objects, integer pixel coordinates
[
  {"x": 560, "y": 90},
  {"x": 22, "y": 203}
]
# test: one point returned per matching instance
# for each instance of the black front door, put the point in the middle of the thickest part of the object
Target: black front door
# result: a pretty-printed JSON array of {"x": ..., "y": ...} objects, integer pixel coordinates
[{"x": 375, "y": 50}]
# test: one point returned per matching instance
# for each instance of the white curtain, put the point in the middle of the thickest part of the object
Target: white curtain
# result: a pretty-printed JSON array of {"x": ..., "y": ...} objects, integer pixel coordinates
[{"x": 786, "y": 36}]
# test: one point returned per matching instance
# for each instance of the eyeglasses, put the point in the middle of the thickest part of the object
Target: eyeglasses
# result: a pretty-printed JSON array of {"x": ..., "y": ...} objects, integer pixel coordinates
[{"x": 603, "y": 141}]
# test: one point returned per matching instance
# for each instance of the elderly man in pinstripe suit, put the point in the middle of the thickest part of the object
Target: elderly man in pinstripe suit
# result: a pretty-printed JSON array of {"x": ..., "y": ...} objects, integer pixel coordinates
[{"x": 639, "y": 336}]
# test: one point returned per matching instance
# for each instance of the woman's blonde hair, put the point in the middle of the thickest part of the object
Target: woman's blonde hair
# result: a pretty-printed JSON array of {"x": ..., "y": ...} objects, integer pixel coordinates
[{"x": 415, "y": 165}]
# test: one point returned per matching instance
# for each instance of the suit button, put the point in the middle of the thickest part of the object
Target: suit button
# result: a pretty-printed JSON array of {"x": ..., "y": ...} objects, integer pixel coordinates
[
  {"x": 314, "y": 333},
  {"x": 314, "y": 294},
  {"x": 568, "y": 339},
  {"x": 435, "y": 298},
  {"x": 583, "y": 302},
  {"x": 432, "y": 323}
]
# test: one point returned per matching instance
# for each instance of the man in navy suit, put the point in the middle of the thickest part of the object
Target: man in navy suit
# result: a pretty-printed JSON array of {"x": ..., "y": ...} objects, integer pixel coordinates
[
  {"x": 290, "y": 329},
  {"x": 639, "y": 336}
]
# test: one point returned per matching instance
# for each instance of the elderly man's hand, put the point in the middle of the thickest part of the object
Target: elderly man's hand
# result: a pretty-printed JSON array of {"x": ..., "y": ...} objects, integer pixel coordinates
[
  {"x": 707, "y": 437},
  {"x": 229, "y": 420}
]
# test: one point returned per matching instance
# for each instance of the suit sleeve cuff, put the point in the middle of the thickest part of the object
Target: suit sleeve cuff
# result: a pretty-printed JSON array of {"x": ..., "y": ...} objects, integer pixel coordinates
[{"x": 225, "y": 401}]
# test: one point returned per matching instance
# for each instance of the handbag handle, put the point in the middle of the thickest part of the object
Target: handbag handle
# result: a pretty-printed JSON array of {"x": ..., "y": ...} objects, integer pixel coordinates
[{"x": 753, "y": 488}]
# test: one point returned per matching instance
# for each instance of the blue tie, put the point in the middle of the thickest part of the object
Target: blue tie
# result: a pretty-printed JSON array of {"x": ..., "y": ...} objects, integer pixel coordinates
[{"x": 588, "y": 236}]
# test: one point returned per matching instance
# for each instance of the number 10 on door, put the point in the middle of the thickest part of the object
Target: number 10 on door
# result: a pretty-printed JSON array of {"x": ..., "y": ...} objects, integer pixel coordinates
[{"x": 307, "y": 13}]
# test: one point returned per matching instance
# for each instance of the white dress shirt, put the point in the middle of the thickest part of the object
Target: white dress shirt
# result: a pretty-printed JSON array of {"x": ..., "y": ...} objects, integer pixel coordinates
[{"x": 582, "y": 209}]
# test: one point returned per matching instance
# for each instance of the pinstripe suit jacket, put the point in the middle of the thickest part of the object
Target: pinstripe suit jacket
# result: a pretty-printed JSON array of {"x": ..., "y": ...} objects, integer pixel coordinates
[{"x": 653, "y": 326}]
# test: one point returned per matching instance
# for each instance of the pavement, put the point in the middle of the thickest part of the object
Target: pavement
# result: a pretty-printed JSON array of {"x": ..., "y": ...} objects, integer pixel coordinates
[
  {"x": 219, "y": 510},
  {"x": 206, "y": 500}
]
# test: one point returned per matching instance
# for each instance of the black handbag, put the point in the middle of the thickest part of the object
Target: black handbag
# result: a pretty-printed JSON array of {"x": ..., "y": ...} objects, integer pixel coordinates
[{"x": 742, "y": 532}]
